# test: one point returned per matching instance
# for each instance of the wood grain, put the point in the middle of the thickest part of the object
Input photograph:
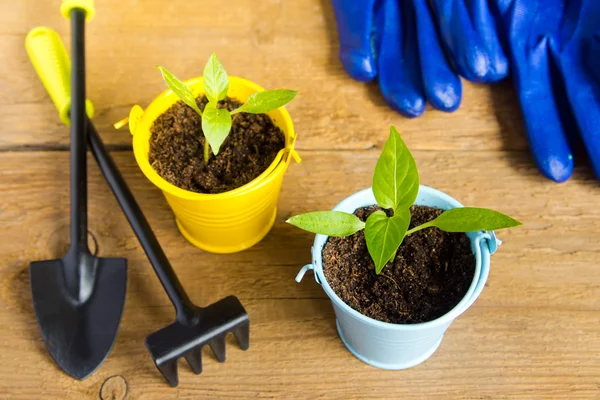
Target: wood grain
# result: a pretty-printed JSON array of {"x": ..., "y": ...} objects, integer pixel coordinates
[
  {"x": 533, "y": 333},
  {"x": 278, "y": 44}
]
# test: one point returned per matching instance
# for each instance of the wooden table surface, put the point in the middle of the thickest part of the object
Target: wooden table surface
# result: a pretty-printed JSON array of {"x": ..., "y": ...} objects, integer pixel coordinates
[{"x": 534, "y": 332}]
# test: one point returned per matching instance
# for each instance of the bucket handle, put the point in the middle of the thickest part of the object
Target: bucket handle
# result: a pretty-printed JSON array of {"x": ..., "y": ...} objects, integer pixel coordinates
[
  {"x": 135, "y": 115},
  {"x": 485, "y": 238},
  {"x": 490, "y": 239},
  {"x": 292, "y": 151},
  {"x": 303, "y": 271}
]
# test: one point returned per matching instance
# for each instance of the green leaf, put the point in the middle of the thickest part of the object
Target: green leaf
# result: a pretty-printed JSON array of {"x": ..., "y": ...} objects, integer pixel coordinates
[
  {"x": 330, "y": 223},
  {"x": 263, "y": 102},
  {"x": 469, "y": 219},
  {"x": 216, "y": 124},
  {"x": 216, "y": 82},
  {"x": 384, "y": 235},
  {"x": 180, "y": 89},
  {"x": 396, "y": 179}
]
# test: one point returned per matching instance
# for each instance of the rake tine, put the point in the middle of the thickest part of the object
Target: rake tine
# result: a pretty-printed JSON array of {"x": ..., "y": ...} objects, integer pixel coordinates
[
  {"x": 169, "y": 371},
  {"x": 194, "y": 359},
  {"x": 242, "y": 334},
  {"x": 218, "y": 347}
]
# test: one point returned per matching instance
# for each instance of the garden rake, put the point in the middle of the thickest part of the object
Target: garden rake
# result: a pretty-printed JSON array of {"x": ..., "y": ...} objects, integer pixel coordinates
[{"x": 194, "y": 326}]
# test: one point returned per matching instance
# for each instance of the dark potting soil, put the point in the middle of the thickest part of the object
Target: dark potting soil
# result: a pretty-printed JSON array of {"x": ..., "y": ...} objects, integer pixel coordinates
[
  {"x": 177, "y": 144},
  {"x": 431, "y": 273}
]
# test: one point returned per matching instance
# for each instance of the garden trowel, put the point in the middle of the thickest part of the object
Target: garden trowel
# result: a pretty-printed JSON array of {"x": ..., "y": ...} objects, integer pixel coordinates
[
  {"x": 79, "y": 299},
  {"x": 194, "y": 326}
]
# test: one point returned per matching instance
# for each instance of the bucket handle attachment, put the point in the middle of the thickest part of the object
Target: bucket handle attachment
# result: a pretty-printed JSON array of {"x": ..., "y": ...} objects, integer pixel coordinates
[
  {"x": 289, "y": 149},
  {"x": 295, "y": 155},
  {"x": 135, "y": 115},
  {"x": 303, "y": 271},
  {"x": 490, "y": 239},
  {"x": 484, "y": 238}
]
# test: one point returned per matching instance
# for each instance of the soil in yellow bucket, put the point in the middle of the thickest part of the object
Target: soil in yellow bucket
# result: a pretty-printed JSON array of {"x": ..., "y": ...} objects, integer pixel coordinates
[{"x": 177, "y": 142}]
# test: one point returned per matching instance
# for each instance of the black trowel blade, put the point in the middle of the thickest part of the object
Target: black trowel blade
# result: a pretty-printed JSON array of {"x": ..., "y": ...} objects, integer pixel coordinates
[{"x": 79, "y": 335}]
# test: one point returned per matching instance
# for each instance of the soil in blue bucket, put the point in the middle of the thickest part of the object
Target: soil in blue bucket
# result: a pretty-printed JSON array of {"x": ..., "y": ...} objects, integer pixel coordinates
[
  {"x": 431, "y": 273},
  {"x": 177, "y": 144}
]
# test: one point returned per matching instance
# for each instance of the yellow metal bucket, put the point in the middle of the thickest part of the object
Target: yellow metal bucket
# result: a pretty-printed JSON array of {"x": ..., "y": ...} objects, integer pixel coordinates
[{"x": 226, "y": 222}]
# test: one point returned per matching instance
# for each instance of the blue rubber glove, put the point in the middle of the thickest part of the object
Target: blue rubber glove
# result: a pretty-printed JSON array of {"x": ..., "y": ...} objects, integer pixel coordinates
[
  {"x": 594, "y": 58},
  {"x": 579, "y": 63},
  {"x": 397, "y": 41},
  {"x": 555, "y": 71},
  {"x": 468, "y": 29}
]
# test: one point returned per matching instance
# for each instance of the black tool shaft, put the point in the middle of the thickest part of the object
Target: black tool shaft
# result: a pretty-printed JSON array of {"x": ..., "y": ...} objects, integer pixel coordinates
[
  {"x": 78, "y": 135},
  {"x": 79, "y": 268},
  {"x": 141, "y": 227}
]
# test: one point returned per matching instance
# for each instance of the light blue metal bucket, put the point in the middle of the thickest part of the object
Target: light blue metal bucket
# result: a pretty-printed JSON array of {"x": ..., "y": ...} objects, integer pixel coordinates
[{"x": 399, "y": 346}]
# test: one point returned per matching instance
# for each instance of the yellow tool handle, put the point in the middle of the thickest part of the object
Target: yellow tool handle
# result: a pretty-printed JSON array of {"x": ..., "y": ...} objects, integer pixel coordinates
[
  {"x": 52, "y": 64},
  {"x": 86, "y": 5}
]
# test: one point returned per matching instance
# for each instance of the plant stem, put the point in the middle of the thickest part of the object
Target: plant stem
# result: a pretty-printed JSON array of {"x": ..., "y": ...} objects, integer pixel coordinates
[
  {"x": 418, "y": 228},
  {"x": 206, "y": 151}
]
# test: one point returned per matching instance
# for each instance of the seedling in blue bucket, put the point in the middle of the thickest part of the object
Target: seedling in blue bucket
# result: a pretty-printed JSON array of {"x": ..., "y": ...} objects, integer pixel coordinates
[
  {"x": 395, "y": 187},
  {"x": 216, "y": 122}
]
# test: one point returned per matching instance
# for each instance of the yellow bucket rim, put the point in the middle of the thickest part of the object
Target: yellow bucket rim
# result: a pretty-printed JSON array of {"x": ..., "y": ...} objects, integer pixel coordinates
[{"x": 167, "y": 99}]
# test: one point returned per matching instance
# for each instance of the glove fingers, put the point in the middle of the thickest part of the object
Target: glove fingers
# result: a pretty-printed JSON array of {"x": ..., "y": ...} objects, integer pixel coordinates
[
  {"x": 354, "y": 20},
  {"x": 469, "y": 32},
  {"x": 398, "y": 64},
  {"x": 487, "y": 30},
  {"x": 545, "y": 131},
  {"x": 593, "y": 61},
  {"x": 582, "y": 84},
  {"x": 461, "y": 40},
  {"x": 442, "y": 86}
]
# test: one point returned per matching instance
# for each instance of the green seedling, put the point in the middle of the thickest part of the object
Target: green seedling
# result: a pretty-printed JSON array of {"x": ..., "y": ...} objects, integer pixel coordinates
[
  {"x": 395, "y": 186},
  {"x": 216, "y": 122}
]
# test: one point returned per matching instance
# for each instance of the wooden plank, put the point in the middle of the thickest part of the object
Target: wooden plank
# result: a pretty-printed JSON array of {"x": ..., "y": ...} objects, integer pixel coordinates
[
  {"x": 532, "y": 334},
  {"x": 274, "y": 43}
]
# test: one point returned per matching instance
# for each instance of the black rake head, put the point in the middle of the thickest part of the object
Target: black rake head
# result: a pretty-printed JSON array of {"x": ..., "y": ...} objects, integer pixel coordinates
[{"x": 209, "y": 325}]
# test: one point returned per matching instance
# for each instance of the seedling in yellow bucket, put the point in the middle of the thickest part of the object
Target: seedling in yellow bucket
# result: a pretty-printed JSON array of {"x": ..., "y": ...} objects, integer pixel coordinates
[
  {"x": 230, "y": 203},
  {"x": 216, "y": 122}
]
